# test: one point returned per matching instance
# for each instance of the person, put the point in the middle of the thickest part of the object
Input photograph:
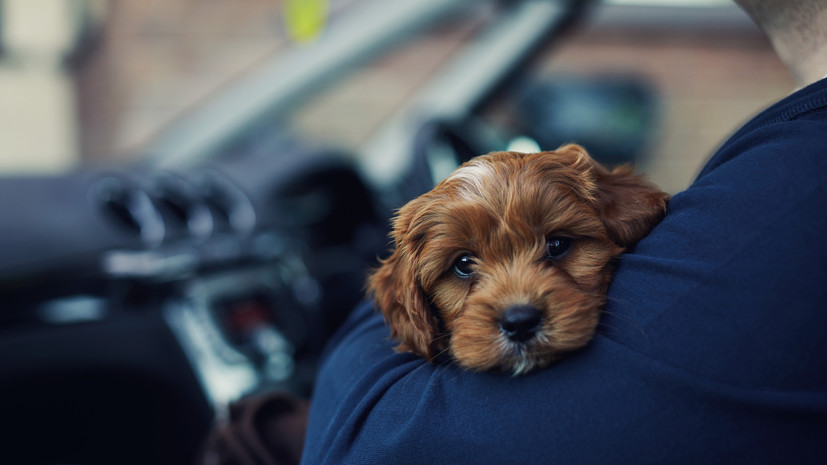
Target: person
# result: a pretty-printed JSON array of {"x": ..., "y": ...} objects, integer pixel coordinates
[{"x": 711, "y": 349}]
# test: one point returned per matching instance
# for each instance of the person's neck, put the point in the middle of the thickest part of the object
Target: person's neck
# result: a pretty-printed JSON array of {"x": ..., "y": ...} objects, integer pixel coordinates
[
  {"x": 807, "y": 61},
  {"x": 798, "y": 33}
]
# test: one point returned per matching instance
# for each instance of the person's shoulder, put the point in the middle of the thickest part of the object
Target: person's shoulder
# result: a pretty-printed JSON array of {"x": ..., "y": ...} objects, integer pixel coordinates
[{"x": 742, "y": 242}]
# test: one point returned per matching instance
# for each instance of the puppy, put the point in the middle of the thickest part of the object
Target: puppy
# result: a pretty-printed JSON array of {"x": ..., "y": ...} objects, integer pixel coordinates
[{"x": 505, "y": 264}]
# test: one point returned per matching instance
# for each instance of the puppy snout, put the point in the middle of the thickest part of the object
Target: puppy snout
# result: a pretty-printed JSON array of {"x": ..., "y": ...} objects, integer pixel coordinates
[{"x": 519, "y": 323}]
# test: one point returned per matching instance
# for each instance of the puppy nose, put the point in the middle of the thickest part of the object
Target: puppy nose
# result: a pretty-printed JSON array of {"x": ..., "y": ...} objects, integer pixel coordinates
[{"x": 520, "y": 322}]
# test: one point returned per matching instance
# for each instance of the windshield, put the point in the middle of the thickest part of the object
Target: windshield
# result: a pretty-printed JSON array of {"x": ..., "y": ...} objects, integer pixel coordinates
[{"x": 95, "y": 81}]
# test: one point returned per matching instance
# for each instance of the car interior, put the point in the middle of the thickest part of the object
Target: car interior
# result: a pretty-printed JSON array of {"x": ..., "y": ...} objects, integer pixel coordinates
[{"x": 140, "y": 295}]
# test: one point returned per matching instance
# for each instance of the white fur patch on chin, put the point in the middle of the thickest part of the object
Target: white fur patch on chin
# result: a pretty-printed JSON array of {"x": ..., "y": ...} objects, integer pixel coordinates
[
  {"x": 521, "y": 360},
  {"x": 522, "y": 367}
]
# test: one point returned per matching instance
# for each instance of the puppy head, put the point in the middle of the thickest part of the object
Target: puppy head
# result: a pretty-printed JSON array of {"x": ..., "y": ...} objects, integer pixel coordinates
[{"x": 505, "y": 264}]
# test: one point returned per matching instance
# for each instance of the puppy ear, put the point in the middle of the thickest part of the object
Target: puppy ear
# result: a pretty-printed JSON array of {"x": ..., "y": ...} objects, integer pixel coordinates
[
  {"x": 628, "y": 204},
  {"x": 396, "y": 289}
]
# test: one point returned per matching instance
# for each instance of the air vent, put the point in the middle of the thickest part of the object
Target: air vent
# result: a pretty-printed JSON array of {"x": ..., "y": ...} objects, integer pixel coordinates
[
  {"x": 183, "y": 205},
  {"x": 128, "y": 207},
  {"x": 229, "y": 204}
]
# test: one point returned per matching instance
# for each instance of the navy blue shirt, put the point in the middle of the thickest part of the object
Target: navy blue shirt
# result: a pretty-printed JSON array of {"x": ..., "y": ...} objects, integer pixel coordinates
[{"x": 712, "y": 348}]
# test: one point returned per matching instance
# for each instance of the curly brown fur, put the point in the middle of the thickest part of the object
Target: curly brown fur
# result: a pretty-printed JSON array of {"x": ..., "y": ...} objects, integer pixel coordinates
[{"x": 484, "y": 242}]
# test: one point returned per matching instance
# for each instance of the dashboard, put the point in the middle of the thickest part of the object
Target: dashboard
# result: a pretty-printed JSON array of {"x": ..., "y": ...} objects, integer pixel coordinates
[{"x": 138, "y": 302}]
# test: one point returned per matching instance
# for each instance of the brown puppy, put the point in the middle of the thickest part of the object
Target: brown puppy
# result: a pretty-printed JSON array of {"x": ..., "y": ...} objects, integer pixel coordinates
[{"x": 504, "y": 265}]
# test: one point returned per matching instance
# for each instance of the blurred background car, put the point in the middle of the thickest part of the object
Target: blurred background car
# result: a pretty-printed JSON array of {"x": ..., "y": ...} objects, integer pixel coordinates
[{"x": 192, "y": 190}]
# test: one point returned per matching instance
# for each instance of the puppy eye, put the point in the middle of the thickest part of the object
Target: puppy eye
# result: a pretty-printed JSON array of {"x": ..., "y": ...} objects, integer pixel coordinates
[
  {"x": 464, "y": 266},
  {"x": 556, "y": 247}
]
